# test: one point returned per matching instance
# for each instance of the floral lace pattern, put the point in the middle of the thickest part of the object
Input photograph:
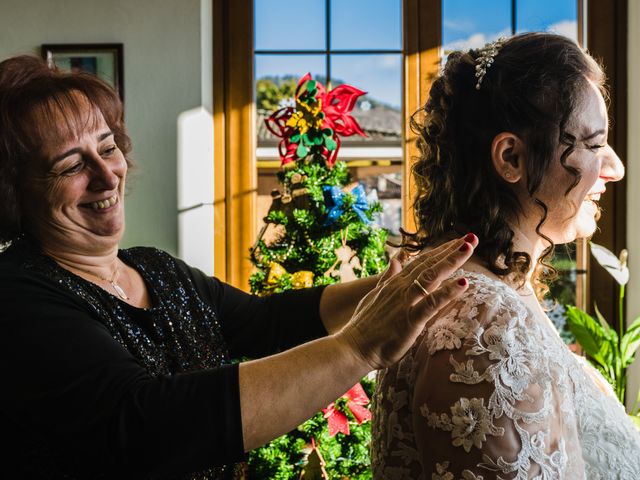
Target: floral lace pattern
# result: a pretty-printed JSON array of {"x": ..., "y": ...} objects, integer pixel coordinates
[{"x": 489, "y": 390}]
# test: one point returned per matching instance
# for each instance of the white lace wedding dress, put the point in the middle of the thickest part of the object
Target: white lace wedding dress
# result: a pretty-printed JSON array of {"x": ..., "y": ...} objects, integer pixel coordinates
[{"x": 490, "y": 391}]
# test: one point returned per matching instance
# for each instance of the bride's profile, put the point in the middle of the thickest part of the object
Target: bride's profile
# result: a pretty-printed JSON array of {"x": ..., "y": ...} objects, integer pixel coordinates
[{"x": 513, "y": 147}]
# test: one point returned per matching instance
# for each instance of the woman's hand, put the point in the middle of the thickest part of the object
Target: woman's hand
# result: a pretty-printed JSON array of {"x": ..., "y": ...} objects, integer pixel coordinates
[
  {"x": 281, "y": 391},
  {"x": 391, "y": 316}
]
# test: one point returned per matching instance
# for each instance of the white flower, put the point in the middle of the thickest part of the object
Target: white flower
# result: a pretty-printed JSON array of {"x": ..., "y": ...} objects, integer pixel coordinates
[
  {"x": 442, "y": 472},
  {"x": 617, "y": 267},
  {"x": 471, "y": 423},
  {"x": 469, "y": 475},
  {"x": 503, "y": 346},
  {"x": 464, "y": 372},
  {"x": 447, "y": 335}
]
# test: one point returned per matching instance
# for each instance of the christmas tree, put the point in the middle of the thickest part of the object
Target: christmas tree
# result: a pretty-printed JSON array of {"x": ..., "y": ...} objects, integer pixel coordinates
[{"x": 321, "y": 231}]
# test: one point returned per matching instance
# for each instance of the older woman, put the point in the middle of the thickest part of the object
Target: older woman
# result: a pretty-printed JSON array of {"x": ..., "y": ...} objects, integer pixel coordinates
[
  {"x": 514, "y": 145},
  {"x": 116, "y": 363}
]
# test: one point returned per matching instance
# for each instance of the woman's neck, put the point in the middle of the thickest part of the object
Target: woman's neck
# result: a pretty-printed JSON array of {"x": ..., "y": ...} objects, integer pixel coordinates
[{"x": 99, "y": 263}]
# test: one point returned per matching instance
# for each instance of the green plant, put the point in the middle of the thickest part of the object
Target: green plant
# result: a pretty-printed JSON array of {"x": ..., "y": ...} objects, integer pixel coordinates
[{"x": 610, "y": 351}]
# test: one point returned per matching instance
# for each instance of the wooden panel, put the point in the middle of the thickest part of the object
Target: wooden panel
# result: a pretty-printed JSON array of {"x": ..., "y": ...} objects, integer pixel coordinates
[
  {"x": 422, "y": 21},
  {"x": 607, "y": 41},
  {"x": 234, "y": 152}
]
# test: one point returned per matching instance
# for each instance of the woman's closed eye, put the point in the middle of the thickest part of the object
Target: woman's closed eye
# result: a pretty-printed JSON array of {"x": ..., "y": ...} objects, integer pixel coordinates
[
  {"x": 73, "y": 169},
  {"x": 597, "y": 146},
  {"x": 110, "y": 150}
]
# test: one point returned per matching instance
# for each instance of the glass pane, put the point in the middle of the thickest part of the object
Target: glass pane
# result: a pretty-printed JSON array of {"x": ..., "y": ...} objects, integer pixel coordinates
[
  {"x": 384, "y": 182},
  {"x": 276, "y": 77},
  {"x": 290, "y": 25},
  {"x": 558, "y": 16},
  {"x": 366, "y": 24},
  {"x": 378, "y": 112},
  {"x": 470, "y": 24},
  {"x": 376, "y": 161},
  {"x": 563, "y": 290}
]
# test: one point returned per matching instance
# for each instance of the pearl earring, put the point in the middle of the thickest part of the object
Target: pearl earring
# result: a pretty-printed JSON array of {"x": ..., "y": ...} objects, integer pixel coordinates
[{"x": 507, "y": 175}]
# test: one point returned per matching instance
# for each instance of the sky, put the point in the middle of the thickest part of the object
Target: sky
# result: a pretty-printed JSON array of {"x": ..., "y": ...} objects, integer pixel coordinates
[{"x": 377, "y": 25}]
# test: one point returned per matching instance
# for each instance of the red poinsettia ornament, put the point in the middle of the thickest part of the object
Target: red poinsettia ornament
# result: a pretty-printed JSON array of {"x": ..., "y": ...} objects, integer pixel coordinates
[
  {"x": 356, "y": 402},
  {"x": 316, "y": 123}
]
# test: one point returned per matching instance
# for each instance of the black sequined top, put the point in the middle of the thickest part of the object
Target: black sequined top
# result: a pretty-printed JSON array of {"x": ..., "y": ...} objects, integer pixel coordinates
[{"x": 96, "y": 388}]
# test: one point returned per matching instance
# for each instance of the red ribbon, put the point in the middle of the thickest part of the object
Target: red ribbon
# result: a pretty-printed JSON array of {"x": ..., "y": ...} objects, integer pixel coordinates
[
  {"x": 357, "y": 402},
  {"x": 337, "y": 105}
]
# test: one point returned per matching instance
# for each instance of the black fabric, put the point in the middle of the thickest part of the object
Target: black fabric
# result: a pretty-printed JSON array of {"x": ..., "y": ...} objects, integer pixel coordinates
[
  {"x": 86, "y": 396},
  {"x": 256, "y": 326}
]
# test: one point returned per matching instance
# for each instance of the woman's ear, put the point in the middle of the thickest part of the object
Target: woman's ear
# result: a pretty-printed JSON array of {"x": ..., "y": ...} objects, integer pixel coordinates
[{"x": 507, "y": 155}]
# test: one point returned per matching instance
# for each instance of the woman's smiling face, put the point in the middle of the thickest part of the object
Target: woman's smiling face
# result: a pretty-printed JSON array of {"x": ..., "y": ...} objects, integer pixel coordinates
[
  {"x": 573, "y": 214},
  {"x": 74, "y": 194}
]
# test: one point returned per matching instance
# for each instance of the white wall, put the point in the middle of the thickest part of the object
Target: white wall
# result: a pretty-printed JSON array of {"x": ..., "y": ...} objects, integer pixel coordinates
[
  {"x": 633, "y": 181},
  {"x": 162, "y": 78}
]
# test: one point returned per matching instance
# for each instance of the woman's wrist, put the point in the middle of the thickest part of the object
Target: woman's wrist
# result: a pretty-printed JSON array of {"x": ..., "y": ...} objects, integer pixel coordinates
[{"x": 350, "y": 347}]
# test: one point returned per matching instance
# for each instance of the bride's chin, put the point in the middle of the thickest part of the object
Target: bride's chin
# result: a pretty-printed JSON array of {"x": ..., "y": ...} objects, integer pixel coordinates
[{"x": 586, "y": 225}]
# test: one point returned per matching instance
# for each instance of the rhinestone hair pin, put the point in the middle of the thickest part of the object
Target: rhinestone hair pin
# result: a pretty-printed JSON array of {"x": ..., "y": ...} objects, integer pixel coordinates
[{"x": 485, "y": 59}]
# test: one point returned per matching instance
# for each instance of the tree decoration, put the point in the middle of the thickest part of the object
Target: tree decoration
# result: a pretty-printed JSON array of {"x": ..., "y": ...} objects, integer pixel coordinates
[
  {"x": 347, "y": 259},
  {"x": 356, "y": 400},
  {"x": 321, "y": 230},
  {"x": 313, "y": 126},
  {"x": 337, "y": 200}
]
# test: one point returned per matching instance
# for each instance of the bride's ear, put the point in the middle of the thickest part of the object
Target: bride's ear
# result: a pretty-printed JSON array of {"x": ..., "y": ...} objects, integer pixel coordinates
[{"x": 507, "y": 155}]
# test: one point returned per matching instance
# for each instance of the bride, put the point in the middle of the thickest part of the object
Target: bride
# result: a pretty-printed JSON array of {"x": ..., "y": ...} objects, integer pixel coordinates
[{"x": 513, "y": 144}]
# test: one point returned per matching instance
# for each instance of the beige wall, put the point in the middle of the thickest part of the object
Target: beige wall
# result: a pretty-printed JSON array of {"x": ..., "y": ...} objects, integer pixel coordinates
[
  {"x": 633, "y": 179},
  {"x": 162, "y": 79}
]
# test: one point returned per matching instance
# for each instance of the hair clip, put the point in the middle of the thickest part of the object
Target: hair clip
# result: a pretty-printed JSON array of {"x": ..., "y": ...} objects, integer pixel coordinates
[{"x": 485, "y": 59}]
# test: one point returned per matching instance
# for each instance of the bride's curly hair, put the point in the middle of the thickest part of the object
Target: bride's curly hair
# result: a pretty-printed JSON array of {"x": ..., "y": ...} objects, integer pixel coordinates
[{"x": 531, "y": 90}]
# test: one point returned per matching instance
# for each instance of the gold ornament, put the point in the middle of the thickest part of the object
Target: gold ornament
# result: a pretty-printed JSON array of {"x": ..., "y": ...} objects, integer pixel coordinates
[
  {"x": 275, "y": 272},
  {"x": 296, "y": 178},
  {"x": 302, "y": 279}
]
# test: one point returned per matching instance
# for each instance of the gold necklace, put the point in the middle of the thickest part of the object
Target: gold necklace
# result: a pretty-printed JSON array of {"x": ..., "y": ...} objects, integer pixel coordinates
[{"x": 117, "y": 288}]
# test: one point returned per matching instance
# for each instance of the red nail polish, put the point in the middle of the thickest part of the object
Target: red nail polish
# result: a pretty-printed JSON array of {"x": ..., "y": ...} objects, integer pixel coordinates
[
  {"x": 462, "y": 282},
  {"x": 470, "y": 237},
  {"x": 465, "y": 247}
]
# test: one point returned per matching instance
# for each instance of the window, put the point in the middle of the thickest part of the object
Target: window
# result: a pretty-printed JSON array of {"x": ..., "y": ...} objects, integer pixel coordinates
[{"x": 358, "y": 42}]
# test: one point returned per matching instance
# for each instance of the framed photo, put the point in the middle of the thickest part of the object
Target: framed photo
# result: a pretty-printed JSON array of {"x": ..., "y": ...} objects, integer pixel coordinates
[{"x": 102, "y": 59}]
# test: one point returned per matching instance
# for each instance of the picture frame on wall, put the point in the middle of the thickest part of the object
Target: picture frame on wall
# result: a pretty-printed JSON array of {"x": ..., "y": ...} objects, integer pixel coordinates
[{"x": 102, "y": 59}]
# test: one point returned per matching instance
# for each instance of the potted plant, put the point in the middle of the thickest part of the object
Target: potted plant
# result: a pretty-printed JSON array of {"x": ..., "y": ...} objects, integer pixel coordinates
[{"x": 610, "y": 351}]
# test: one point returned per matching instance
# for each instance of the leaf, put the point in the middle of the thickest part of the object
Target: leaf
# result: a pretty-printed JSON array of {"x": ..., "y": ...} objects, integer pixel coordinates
[
  {"x": 613, "y": 335},
  {"x": 591, "y": 335},
  {"x": 330, "y": 144},
  {"x": 302, "y": 151},
  {"x": 630, "y": 343},
  {"x": 600, "y": 318}
]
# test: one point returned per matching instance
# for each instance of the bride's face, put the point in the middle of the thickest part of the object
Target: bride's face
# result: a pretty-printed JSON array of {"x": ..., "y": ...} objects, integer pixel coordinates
[{"x": 573, "y": 215}]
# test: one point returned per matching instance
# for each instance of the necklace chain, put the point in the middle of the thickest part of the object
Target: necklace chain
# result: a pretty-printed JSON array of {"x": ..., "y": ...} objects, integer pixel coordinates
[{"x": 116, "y": 288}]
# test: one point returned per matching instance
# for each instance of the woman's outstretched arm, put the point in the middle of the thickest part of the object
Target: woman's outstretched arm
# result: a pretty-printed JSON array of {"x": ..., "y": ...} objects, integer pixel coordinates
[{"x": 278, "y": 392}]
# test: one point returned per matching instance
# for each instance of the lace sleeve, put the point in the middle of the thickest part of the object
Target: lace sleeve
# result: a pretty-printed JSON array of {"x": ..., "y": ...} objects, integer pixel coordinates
[{"x": 486, "y": 403}]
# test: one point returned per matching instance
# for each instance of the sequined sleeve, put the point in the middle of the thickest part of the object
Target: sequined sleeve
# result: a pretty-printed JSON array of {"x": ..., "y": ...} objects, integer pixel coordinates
[
  {"x": 256, "y": 326},
  {"x": 74, "y": 398}
]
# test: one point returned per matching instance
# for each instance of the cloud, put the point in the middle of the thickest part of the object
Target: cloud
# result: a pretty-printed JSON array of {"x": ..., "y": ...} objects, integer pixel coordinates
[
  {"x": 476, "y": 40},
  {"x": 458, "y": 25},
  {"x": 568, "y": 28}
]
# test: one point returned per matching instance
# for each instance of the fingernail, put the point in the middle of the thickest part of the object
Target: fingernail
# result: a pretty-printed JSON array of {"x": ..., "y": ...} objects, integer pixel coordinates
[
  {"x": 470, "y": 237},
  {"x": 462, "y": 282},
  {"x": 465, "y": 247}
]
